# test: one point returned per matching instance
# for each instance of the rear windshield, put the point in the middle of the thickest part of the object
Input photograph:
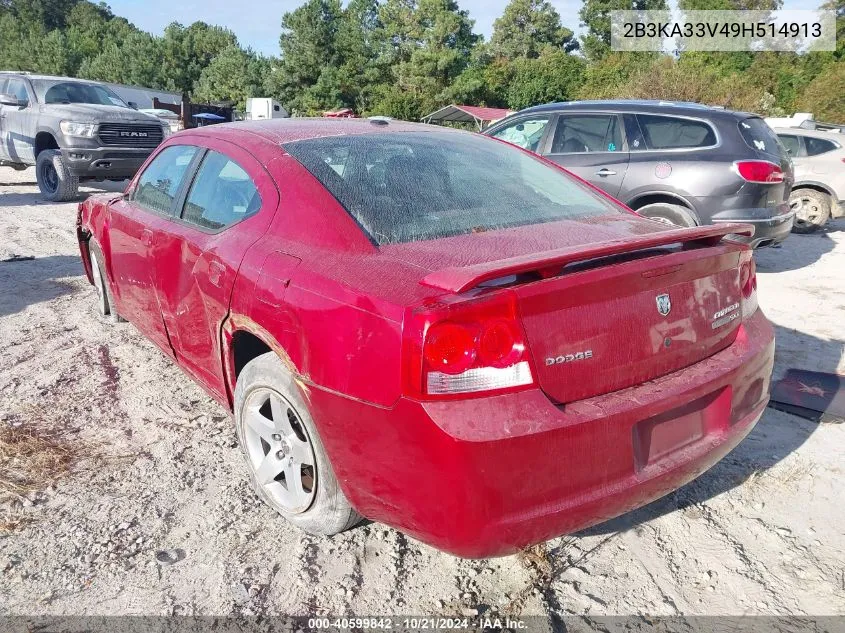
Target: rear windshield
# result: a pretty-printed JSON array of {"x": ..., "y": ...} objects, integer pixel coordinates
[
  {"x": 412, "y": 186},
  {"x": 758, "y": 135}
]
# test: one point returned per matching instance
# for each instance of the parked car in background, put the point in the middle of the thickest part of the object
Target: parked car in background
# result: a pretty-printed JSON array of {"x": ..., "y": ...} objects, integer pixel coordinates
[
  {"x": 818, "y": 192},
  {"x": 680, "y": 163},
  {"x": 434, "y": 329},
  {"x": 171, "y": 118},
  {"x": 71, "y": 130}
]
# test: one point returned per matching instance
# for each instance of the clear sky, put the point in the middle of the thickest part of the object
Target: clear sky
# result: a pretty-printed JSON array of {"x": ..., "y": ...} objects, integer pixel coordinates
[{"x": 257, "y": 23}]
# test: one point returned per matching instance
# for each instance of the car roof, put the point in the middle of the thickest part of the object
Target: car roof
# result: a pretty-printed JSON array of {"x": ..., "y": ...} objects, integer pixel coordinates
[
  {"x": 800, "y": 131},
  {"x": 639, "y": 105},
  {"x": 30, "y": 75},
  {"x": 281, "y": 131}
]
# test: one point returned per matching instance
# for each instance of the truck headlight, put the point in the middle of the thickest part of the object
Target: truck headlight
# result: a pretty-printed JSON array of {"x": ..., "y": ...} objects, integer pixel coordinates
[
  {"x": 165, "y": 130},
  {"x": 75, "y": 128}
]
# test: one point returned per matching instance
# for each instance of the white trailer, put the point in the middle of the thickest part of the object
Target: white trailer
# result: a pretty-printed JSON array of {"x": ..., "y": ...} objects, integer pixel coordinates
[{"x": 258, "y": 108}]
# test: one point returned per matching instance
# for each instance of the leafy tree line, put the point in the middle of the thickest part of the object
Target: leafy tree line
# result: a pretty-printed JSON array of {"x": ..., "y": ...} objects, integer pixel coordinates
[{"x": 406, "y": 58}]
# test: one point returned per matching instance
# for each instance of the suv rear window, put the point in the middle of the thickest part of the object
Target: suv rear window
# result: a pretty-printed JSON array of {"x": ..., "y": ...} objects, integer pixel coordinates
[
  {"x": 758, "y": 135},
  {"x": 412, "y": 186},
  {"x": 668, "y": 132},
  {"x": 816, "y": 146}
]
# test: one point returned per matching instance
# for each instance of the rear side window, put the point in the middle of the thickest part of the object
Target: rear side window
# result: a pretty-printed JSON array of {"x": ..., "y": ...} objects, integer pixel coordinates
[
  {"x": 758, "y": 135},
  {"x": 578, "y": 134},
  {"x": 636, "y": 140},
  {"x": 158, "y": 185},
  {"x": 667, "y": 132},
  {"x": 413, "y": 186},
  {"x": 221, "y": 195},
  {"x": 816, "y": 146},
  {"x": 791, "y": 143},
  {"x": 17, "y": 88}
]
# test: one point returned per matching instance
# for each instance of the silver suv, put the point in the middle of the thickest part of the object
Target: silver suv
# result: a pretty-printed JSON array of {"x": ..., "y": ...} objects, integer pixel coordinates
[
  {"x": 72, "y": 130},
  {"x": 819, "y": 190}
]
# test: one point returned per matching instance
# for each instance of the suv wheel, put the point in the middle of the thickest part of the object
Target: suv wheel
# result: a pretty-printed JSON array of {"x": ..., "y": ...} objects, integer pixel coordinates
[
  {"x": 673, "y": 214},
  {"x": 812, "y": 210},
  {"x": 54, "y": 180},
  {"x": 288, "y": 466}
]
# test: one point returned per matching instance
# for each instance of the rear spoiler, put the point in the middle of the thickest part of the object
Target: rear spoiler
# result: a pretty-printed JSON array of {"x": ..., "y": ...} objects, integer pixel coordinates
[{"x": 461, "y": 279}]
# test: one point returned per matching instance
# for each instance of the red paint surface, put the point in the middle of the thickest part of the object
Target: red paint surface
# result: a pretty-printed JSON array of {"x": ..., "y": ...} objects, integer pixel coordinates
[{"x": 477, "y": 475}]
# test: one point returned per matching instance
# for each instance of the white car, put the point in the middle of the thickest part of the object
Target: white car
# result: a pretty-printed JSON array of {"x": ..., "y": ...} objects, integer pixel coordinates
[{"x": 819, "y": 190}]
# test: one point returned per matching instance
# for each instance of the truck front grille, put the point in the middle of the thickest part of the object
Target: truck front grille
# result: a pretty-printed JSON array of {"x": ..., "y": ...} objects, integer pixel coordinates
[{"x": 128, "y": 135}]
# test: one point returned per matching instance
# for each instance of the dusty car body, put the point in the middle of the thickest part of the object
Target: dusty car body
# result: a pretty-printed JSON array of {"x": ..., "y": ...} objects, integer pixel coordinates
[
  {"x": 480, "y": 377},
  {"x": 818, "y": 192}
]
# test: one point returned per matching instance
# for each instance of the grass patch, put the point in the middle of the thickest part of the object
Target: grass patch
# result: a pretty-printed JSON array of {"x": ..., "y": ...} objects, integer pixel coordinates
[{"x": 31, "y": 459}]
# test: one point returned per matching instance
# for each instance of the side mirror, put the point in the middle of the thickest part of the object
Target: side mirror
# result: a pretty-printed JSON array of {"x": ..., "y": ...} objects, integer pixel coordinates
[
  {"x": 132, "y": 105},
  {"x": 12, "y": 100}
]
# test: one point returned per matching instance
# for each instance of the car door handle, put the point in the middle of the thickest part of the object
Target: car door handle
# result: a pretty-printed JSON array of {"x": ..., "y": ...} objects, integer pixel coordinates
[
  {"x": 215, "y": 273},
  {"x": 605, "y": 172},
  {"x": 147, "y": 237}
]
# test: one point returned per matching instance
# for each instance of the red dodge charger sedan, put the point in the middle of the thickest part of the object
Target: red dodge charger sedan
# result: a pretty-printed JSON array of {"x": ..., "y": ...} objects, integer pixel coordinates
[{"x": 432, "y": 328}]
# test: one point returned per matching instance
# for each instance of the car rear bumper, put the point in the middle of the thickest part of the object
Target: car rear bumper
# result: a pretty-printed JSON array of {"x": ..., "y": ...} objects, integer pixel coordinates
[
  {"x": 107, "y": 163},
  {"x": 768, "y": 231},
  {"x": 488, "y": 476}
]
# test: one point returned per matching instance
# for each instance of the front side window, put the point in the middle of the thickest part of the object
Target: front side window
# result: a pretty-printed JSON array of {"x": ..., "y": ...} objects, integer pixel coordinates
[
  {"x": 413, "y": 186},
  {"x": 158, "y": 185},
  {"x": 816, "y": 146},
  {"x": 525, "y": 133},
  {"x": 577, "y": 134},
  {"x": 221, "y": 195},
  {"x": 791, "y": 143},
  {"x": 667, "y": 132}
]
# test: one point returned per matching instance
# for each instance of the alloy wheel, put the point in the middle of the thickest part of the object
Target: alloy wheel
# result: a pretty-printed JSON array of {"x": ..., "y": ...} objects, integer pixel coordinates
[{"x": 279, "y": 451}]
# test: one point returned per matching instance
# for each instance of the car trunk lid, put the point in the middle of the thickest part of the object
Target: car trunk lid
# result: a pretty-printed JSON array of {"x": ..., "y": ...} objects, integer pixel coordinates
[{"x": 614, "y": 314}]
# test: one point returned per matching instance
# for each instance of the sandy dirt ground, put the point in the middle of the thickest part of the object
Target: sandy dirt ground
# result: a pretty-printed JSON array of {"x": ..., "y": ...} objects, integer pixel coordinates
[{"x": 157, "y": 516}]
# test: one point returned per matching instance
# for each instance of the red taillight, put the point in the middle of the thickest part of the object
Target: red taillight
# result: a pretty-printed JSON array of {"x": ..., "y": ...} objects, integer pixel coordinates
[
  {"x": 748, "y": 284},
  {"x": 761, "y": 171},
  {"x": 466, "y": 347},
  {"x": 450, "y": 348}
]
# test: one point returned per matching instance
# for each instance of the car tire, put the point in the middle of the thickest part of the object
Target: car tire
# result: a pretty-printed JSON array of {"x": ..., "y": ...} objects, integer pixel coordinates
[
  {"x": 812, "y": 210},
  {"x": 277, "y": 436},
  {"x": 673, "y": 214},
  {"x": 54, "y": 180},
  {"x": 105, "y": 299}
]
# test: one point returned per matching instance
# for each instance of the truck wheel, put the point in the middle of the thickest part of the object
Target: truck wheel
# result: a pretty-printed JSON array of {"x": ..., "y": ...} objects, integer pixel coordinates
[
  {"x": 812, "y": 210},
  {"x": 288, "y": 466},
  {"x": 54, "y": 179},
  {"x": 673, "y": 214}
]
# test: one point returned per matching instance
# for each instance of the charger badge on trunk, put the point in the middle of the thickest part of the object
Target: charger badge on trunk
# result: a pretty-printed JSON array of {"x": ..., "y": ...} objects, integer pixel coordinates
[{"x": 664, "y": 304}]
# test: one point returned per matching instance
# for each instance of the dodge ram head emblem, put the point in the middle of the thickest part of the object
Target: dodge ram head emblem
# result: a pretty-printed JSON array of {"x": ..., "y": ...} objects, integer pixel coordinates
[
  {"x": 664, "y": 304},
  {"x": 133, "y": 134}
]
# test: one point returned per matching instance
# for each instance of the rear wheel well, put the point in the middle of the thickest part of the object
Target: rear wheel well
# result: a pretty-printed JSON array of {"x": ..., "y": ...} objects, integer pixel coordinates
[
  {"x": 655, "y": 198},
  {"x": 44, "y": 140},
  {"x": 818, "y": 188},
  {"x": 246, "y": 347}
]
